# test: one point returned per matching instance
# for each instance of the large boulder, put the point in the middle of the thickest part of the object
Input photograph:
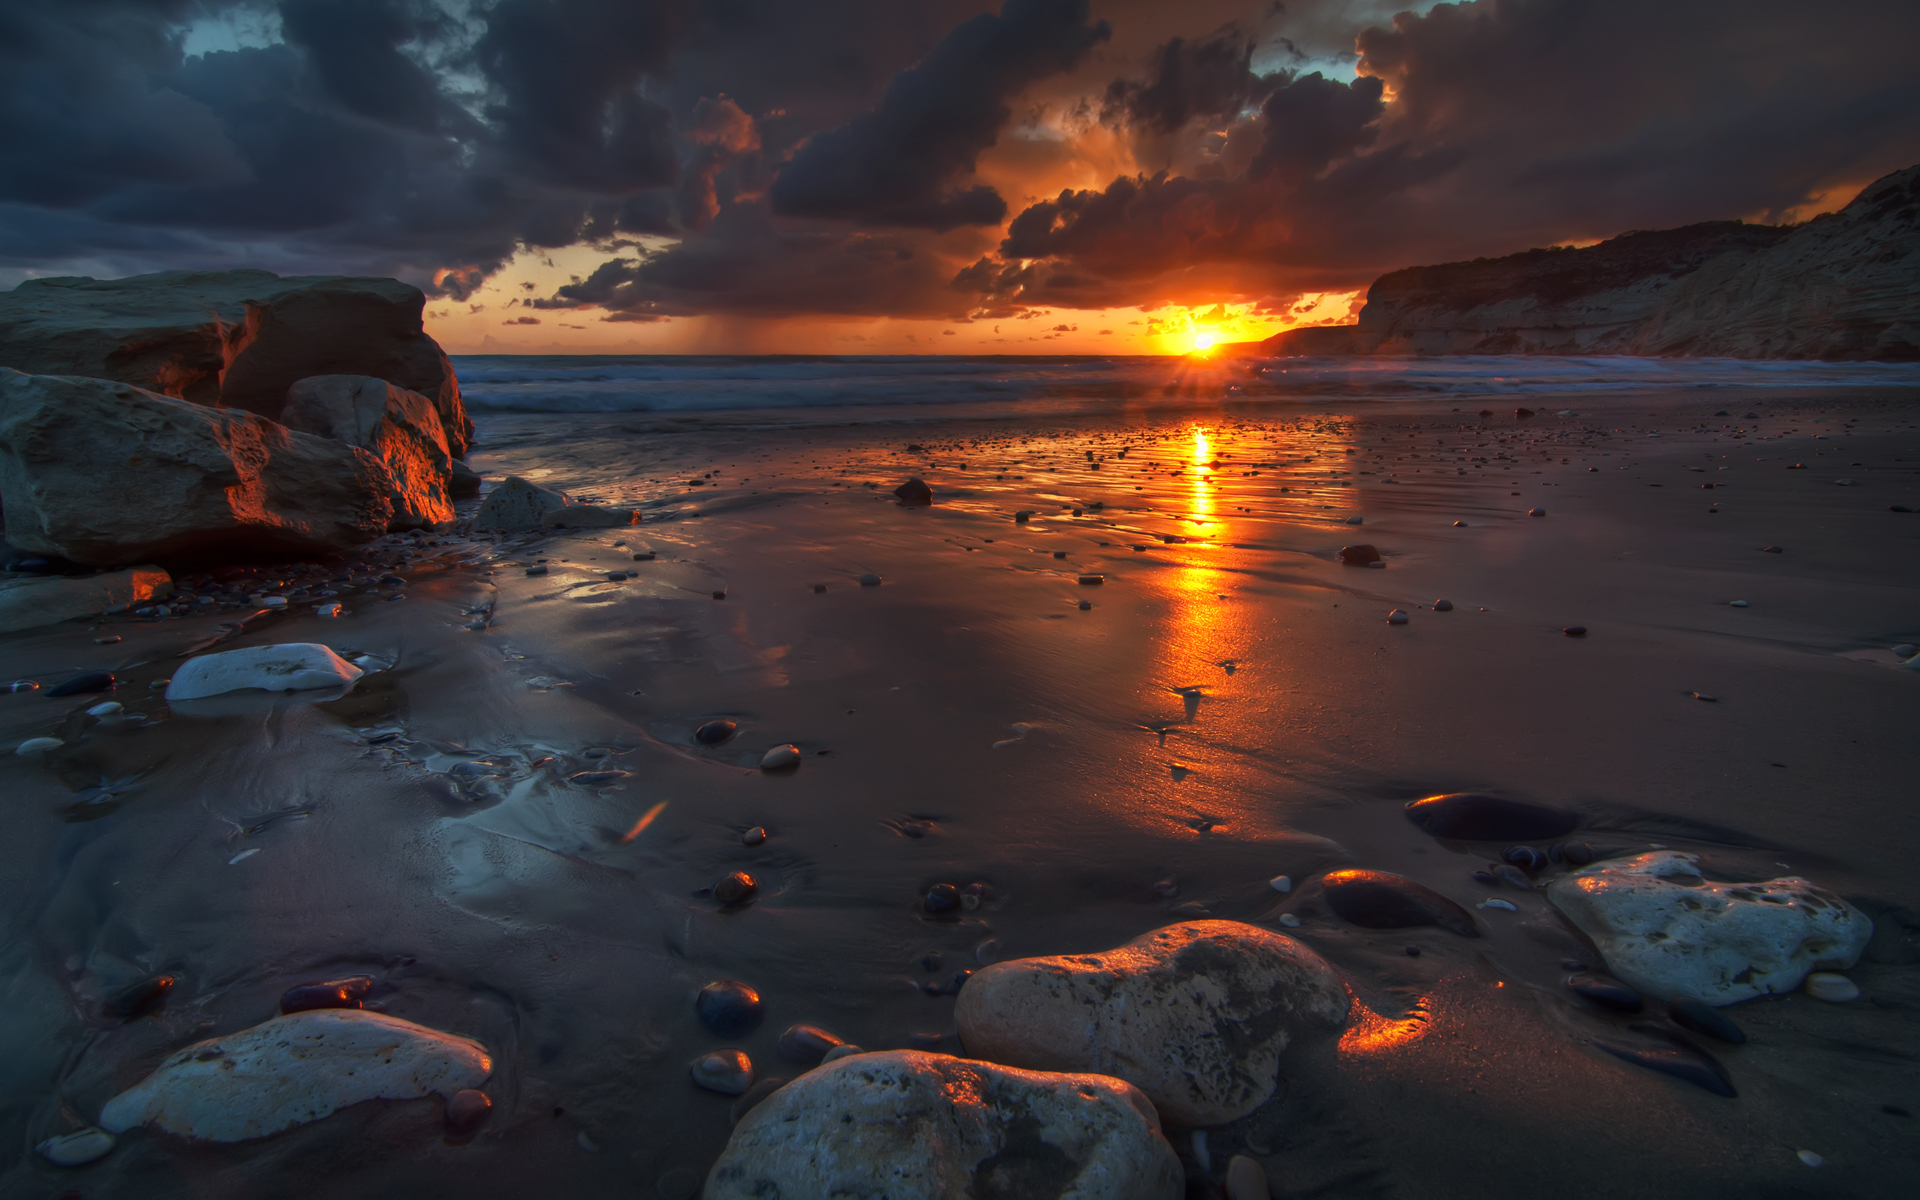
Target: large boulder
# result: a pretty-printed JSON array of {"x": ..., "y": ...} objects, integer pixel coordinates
[
  {"x": 1668, "y": 931},
  {"x": 105, "y": 473},
  {"x": 399, "y": 427},
  {"x": 235, "y": 339},
  {"x": 31, "y": 602},
  {"x": 1194, "y": 1015},
  {"x": 906, "y": 1125},
  {"x": 295, "y": 1069}
]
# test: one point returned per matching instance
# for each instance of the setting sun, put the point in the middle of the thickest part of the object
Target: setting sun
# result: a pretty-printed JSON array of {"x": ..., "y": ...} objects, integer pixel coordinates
[{"x": 1203, "y": 341}]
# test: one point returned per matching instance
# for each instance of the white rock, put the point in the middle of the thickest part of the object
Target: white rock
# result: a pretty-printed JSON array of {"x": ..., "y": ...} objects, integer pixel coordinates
[
  {"x": 1666, "y": 931},
  {"x": 291, "y": 667},
  {"x": 780, "y": 756},
  {"x": 294, "y": 1069},
  {"x": 32, "y": 602},
  {"x": 109, "y": 709},
  {"x": 1289, "y": 920},
  {"x": 1831, "y": 987},
  {"x": 39, "y": 745},
  {"x": 1195, "y": 1015},
  {"x": 76, "y": 1149},
  {"x": 906, "y": 1125},
  {"x": 1281, "y": 883},
  {"x": 1246, "y": 1179}
]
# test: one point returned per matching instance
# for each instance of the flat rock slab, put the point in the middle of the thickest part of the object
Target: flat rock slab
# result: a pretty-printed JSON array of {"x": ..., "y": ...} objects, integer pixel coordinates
[
  {"x": 1668, "y": 931},
  {"x": 47, "y": 600},
  {"x": 291, "y": 667},
  {"x": 907, "y": 1125},
  {"x": 1195, "y": 1015},
  {"x": 295, "y": 1069}
]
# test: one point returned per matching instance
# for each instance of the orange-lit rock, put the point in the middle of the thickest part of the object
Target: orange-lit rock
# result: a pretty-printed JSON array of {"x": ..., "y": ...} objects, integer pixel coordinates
[{"x": 399, "y": 427}]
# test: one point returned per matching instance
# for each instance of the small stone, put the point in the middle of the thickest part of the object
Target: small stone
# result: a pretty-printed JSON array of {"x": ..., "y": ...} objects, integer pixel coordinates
[
  {"x": 1381, "y": 900},
  {"x": 39, "y": 745},
  {"x": 466, "y": 1109},
  {"x": 1443, "y": 606},
  {"x": 1023, "y": 516},
  {"x": 1190, "y": 910},
  {"x": 142, "y": 997},
  {"x": 1906, "y": 650},
  {"x": 720, "y": 594},
  {"x": 1281, "y": 883},
  {"x": 840, "y": 1052},
  {"x": 1459, "y": 524},
  {"x": 1357, "y": 521},
  {"x": 734, "y": 888},
  {"x": 1246, "y": 1179},
  {"x": 728, "y": 1007},
  {"x": 1705, "y": 697},
  {"x": 1832, "y": 987},
  {"x": 645, "y": 556},
  {"x": 1737, "y": 603},
  {"x": 76, "y": 1149},
  {"x": 1360, "y": 555},
  {"x": 616, "y": 576},
  {"x": 1606, "y": 991},
  {"x": 1513, "y": 876},
  {"x": 1289, "y": 920},
  {"x": 1810, "y": 1158},
  {"x": 1536, "y": 512},
  {"x": 1526, "y": 858},
  {"x": 869, "y": 580},
  {"x": 1092, "y": 580},
  {"x": 1772, "y": 550},
  {"x": 538, "y": 569},
  {"x": 1085, "y": 606},
  {"x": 85, "y": 683},
  {"x": 273, "y": 602},
  {"x": 1496, "y": 902},
  {"x": 1397, "y": 617},
  {"x": 1059, "y": 553},
  {"x": 914, "y": 491},
  {"x": 941, "y": 898},
  {"x": 1575, "y": 631},
  {"x": 807, "y": 1043},
  {"x": 1701, "y": 1017},
  {"x": 714, "y": 732},
  {"x": 780, "y": 757},
  {"x": 328, "y": 993},
  {"x": 729, "y": 1072},
  {"x": 818, "y": 588},
  {"x": 1478, "y": 816},
  {"x": 596, "y": 778},
  {"x": 988, "y": 952},
  {"x": 754, "y": 837}
]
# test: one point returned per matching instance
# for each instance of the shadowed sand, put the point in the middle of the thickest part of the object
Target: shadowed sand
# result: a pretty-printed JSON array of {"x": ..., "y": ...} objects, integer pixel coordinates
[{"x": 1232, "y": 707}]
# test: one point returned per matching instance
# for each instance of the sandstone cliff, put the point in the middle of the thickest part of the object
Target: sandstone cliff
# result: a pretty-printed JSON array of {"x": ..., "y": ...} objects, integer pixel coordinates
[
  {"x": 1845, "y": 285},
  {"x": 230, "y": 339}
]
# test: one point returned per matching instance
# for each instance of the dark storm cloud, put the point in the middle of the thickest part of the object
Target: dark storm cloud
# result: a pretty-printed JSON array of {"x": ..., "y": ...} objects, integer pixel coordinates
[
  {"x": 1189, "y": 80},
  {"x": 907, "y": 162}
]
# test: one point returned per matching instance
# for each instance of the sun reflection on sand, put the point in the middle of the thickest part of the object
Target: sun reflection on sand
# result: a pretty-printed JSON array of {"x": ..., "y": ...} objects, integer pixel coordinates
[{"x": 1370, "y": 1033}]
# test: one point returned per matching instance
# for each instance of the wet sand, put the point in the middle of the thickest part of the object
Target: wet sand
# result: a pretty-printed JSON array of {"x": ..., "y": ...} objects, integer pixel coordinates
[{"x": 1232, "y": 707}]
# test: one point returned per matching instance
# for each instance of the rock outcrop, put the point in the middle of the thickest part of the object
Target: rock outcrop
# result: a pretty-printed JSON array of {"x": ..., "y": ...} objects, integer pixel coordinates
[
  {"x": 232, "y": 339},
  {"x": 1194, "y": 1015},
  {"x": 105, "y": 473},
  {"x": 1843, "y": 286},
  {"x": 31, "y": 602},
  {"x": 1668, "y": 931},
  {"x": 398, "y": 427},
  {"x": 913, "y": 1126}
]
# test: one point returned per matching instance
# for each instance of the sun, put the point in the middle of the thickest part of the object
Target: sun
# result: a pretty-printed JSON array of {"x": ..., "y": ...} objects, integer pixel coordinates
[{"x": 1203, "y": 341}]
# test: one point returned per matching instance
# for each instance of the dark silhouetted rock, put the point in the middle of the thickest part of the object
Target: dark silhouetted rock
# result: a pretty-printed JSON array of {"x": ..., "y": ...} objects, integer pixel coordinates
[
  {"x": 914, "y": 491},
  {"x": 1672, "y": 1054},
  {"x": 728, "y": 1007},
  {"x": 1477, "y": 816},
  {"x": 1380, "y": 900},
  {"x": 1359, "y": 556}
]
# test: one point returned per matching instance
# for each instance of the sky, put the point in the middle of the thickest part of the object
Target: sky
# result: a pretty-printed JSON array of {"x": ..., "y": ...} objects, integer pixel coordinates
[{"x": 916, "y": 176}]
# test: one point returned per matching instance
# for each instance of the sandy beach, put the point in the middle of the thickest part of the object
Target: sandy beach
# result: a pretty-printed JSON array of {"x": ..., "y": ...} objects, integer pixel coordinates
[{"x": 1228, "y": 704}]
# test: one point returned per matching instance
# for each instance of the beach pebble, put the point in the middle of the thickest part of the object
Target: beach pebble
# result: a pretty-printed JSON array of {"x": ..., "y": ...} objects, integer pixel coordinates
[
  {"x": 335, "y": 610},
  {"x": 1357, "y": 521},
  {"x": 289, "y": 667},
  {"x": 327, "y": 993},
  {"x": 1526, "y": 858},
  {"x": 728, "y": 1007},
  {"x": 466, "y": 1109},
  {"x": 644, "y": 556},
  {"x": 751, "y": 1098},
  {"x": 595, "y": 778},
  {"x": 914, "y": 491},
  {"x": 1281, "y": 883},
  {"x": 1606, "y": 991},
  {"x": 917, "y": 1126},
  {"x": 714, "y": 732},
  {"x": 294, "y": 1069},
  {"x": 1536, "y": 512},
  {"x": 734, "y": 888},
  {"x": 138, "y": 998},
  {"x": 1459, "y": 524},
  {"x": 83, "y": 684},
  {"x": 1666, "y": 931},
  {"x": 1085, "y": 605},
  {"x": 779, "y": 757},
  {"x": 1496, "y": 902},
  {"x": 1443, "y": 606},
  {"x": 1810, "y": 1158},
  {"x": 1704, "y": 1018},
  {"x": 840, "y": 1052},
  {"x": 1246, "y": 1179},
  {"x": 1575, "y": 631},
  {"x": 39, "y": 745},
  {"x": 1059, "y": 553},
  {"x": 1381, "y": 900},
  {"x": 1397, "y": 617},
  {"x": 1360, "y": 555},
  {"x": 1092, "y": 580},
  {"x": 1738, "y": 603},
  {"x": 755, "y": 836},
  {"x": 1672, "y": 1054},
  {"x": 1513, "y": 876},
  {"x": 941, "y": 898},
  {"x": 819, "y": 587},
  {"x": 869, "y": 580},
  {"x": 111, "y": 708},
  {"x": 1195, "y": 1015},
  {"x": 1289, "y": 920},
  {"x": 1480, "y": 816},
  {"x": 1906, "y": 650},
  {"x": 537, "y": 569},
  {"x": 1023, "y": 516},
  {"x": 76, "y": 1149},
  {"x": 1190, "y": 910},
  {"x": 729, "y": 1072},
  {"x": 807, "y": 1043},
  {"x": 1832, "y": 987}
]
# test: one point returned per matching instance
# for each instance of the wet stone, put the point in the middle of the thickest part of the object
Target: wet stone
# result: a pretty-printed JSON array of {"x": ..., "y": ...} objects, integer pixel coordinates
[
  {"x": 780, "y": 757},
  {"x": 1575, "y": 631},
  {"x": 76, "y": 1149},
  {"x": 1606, "y": 991},
  {"x": 466, "y": 1110},
  {"x": 1577, "y": 853},
  {"x": 1832, "y": 987},
  {"x": 84, "y": 684},
  {"x": 941, "y": 898},
  {"x": 1672, "y": 1054},
  {"x": 327, "y": 993},
  {"x": 735, "y": 888},
  {"x": 1700, "y": 1017},
  {"x": 1381, "y": 900},
  {"x": 1443, "y": 606},
  {"x": 754, "y": 837},
  {"x": 914, "y": 491},
  {"x": 1513, "y": 876},
  {"x": 1246, "y": 1179},
  {"x": 1478, "y": 816},
  {"x": 1360, "y": 555},
  {"x": 1397, "y": 617},
  {"x": 1526, "y": 858},
  {"x": 729, "y": 1072},
  {"x": 869, "y": 580},
  {"x": 714, "y": 732},
  {"x": 140, "y": 998},
  {"x": 807, "y": 1043},
  {"x": 728, "y": 1007}
]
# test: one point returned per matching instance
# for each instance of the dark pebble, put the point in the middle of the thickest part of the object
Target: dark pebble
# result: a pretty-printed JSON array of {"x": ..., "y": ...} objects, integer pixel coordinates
[
  {"x": 1023, "y": 516},
  {"x": 950, "y": 987},
  {"x": 1894, "y": 1110},
  {"x": 644, "y": 556},
  {"x": 85, "y": 683},
  {"x": 1772, "y": 550},
  {"x": 1486, "y": 877},
  {"x": 1526, "y": 858},
  {"x": 616, "y": 576},
  {"x": 391, "y": 581},
  {"x": 755, "y": 1094},
  {"x": 714, "y": 732},
  {"x": 807, "y": 1043},
  {"x": 1575, "y": 631},
  {"x": 466, "y": 1110},
  {"x": 596, "y": 778},
  {"x": 1522, "y": 412},
  {"x": 1704, "y": 1018},
  {"x": 735, "y": 887},
  {"x": 1477, "y": 816},
  {"x": 1577, "y": 853},
  {"x": 539, "y": 570},
  {"x": 1606, "y": 991},
  {"x": 1513, "y": 876},
  {"x": 1898, "y": 508},
  {"x": 932, "y": 961},
  {"x": 819, "y": 587},
  {"x": 1379, "y": 900},
  {"x": 1677, "y": 1057},
  {"x": 719, "y": 595},
  {"x": 1413, "y": 952},
  {"x": 914, "y": 491},
  {"x": 942, "y": 898},
  {"x": 728, "y": 1007},
  {"x": 1359, "y": 556},
  {"x": 327, "y": 993},
  {"x": 142, "y": 997}
]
